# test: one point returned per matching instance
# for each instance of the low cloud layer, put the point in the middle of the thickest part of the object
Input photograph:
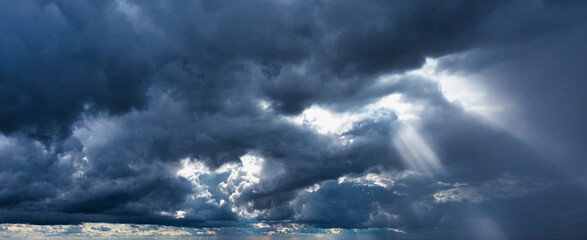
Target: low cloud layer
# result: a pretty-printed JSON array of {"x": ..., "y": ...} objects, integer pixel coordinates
[{"x": 458, "y": 119}]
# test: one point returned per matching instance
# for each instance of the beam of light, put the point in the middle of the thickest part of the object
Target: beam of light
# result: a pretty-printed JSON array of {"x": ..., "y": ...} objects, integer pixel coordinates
[
  {"x": 471, "y": 94},
  {"x": 485, "y": 228},
  {"x": 415, "y": 152}
]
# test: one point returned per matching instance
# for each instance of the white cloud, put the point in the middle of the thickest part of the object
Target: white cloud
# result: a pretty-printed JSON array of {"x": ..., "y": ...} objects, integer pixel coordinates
[
  {"x": 459, "y": 194},
  {"x": 384, "y": 180}
]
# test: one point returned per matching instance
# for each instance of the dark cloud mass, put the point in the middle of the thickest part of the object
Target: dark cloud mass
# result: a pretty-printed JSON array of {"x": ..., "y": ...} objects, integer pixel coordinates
[{"x": 451, "y": 119}]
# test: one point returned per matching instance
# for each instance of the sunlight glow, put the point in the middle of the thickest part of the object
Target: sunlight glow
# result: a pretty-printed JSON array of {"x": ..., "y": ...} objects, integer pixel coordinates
[
  {"x": 470, "y": 93},
  {"x": 325, "y": 121},
  {"x": 464, "y": 91}
]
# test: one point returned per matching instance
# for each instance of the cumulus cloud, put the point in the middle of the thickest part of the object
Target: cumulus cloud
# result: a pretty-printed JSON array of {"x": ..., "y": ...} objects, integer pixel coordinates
[{"x": 422, "y": 118}]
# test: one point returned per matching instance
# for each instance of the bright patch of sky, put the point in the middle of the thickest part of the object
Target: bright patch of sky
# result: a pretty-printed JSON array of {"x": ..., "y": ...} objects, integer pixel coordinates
[
  {"x": 132, "y": 231},
  {"x": 464, "y": 91}
]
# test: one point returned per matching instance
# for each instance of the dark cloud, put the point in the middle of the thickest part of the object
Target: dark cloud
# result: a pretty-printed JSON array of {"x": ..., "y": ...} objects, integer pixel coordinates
[
  {"x": 195, "y": 113},
  {"x": 58, "y": 58}
]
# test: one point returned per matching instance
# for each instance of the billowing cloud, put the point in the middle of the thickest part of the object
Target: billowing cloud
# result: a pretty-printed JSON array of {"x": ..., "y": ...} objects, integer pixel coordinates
[{"x": 425, "y": 119}]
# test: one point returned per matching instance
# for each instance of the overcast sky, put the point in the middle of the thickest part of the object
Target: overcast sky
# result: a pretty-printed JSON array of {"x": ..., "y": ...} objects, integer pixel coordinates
[{"x": 337, "y": 119}]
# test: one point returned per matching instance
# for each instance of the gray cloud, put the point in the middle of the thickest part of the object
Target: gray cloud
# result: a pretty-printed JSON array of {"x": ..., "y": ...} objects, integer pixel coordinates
[{"x": 195, "y": 113}]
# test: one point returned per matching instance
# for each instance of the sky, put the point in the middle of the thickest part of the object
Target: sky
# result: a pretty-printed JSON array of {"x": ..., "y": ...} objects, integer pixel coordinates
[{"x": 293, "y": 119}]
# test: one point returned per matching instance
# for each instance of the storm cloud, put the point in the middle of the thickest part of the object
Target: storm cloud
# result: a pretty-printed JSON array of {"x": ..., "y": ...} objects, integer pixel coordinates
[{"x": 454, "y": 119}]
